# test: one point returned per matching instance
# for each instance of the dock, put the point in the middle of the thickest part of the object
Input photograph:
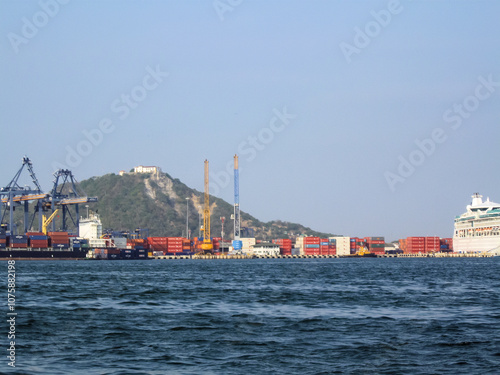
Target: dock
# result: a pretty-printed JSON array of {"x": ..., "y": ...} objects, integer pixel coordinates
[{"x": 240, "y": 256}]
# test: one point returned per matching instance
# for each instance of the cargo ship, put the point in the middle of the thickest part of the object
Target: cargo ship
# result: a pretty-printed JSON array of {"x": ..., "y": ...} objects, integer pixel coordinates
[
  {"x": 478, "y": 229},
  {"x": 38, "y": 245}
]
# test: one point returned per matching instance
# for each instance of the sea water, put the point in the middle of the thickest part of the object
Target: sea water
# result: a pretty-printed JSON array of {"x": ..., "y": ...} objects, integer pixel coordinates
[{"x": 261, "y": 316}]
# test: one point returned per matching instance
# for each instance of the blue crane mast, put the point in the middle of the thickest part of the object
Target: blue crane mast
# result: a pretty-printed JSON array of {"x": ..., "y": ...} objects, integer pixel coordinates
[{"x": 237, "y": 221}]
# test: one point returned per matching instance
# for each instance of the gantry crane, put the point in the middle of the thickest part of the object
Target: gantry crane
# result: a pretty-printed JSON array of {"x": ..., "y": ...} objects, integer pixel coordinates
[
  {"x": 14, "y": 194},
  {"x": 63, "y": 195},
  {"x": 66, "y": 193},
  {"x": 207, "y": 245}
]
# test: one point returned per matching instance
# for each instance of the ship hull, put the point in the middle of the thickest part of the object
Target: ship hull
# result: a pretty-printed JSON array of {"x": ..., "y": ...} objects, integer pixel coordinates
[
  {"x": 476, "y": 244},
  {"x": 42, "y": 253}
]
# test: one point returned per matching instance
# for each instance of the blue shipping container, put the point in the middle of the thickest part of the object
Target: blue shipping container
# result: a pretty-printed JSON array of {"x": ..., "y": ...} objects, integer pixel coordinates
[
  {"x": 42, "y": 238},
  {"x": 14, "y": 240},
  {"x": 312, "y": 246},
  {"x": 128, "y": 254}
]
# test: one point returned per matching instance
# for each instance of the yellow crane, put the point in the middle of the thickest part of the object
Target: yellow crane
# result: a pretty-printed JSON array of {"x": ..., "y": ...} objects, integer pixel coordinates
[
  {"x": 207, "y": 245},
  {"x": 46, "y": 222}
]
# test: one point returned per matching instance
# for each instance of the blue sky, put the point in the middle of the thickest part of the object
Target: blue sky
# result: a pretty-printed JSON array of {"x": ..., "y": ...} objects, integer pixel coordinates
[{"x": 361, "y": 118}]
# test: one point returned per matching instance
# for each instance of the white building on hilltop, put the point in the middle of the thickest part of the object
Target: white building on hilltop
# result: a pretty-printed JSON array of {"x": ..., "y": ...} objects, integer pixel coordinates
[{"x": 143, "y": 169}]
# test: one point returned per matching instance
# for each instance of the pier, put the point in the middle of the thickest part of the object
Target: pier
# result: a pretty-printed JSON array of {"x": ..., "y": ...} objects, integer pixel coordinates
[{"x": 241, "y": 256}]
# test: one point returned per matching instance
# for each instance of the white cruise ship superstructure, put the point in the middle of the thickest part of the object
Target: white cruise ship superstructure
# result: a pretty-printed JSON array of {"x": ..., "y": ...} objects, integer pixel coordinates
[{"x": 478, "y": 229}]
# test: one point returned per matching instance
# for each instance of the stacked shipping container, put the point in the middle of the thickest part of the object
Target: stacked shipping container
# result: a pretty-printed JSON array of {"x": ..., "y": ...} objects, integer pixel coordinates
[
  {"x": 215, "y": 242},
  {"x": 432, "y": 244},
  {"x": 38, "y": 240},
  {"x": 59, "y": 240},
  {"x": 157, "y": 244},
  {"x": 18, "y": 242},
  {"x": 353, "y": 246},
  {"x": 137, "y": 242},
  {"x": 128, "y": 254},
  {"x": 415, "y": 245},
  {"x": 175, "y": 245},
  {"x": 285, "y": 245},
  {"x": 3, "y": 240},
  {"x": 446, "y": 244},
  {"x": 312, "y": 245},
  {"x": 375, "y": 245},
  {"x": 324, "y": 248},
  {"x": 107, "y": 253},
  {"x": 79, "y": 243},
  {"x": 342, "y": 245},
  {"x": 169, "y": 245},
  {"x": 332, "y": 246}
]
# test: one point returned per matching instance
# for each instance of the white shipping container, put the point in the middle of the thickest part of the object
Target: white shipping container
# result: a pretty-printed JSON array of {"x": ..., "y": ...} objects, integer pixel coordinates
[
  {"x": 247, "y": 243},
  {"x": 343, "y": 245}
]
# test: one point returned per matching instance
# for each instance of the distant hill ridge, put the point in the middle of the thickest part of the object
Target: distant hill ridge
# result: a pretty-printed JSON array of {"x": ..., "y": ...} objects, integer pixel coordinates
[{"x": 158, "y": 202}]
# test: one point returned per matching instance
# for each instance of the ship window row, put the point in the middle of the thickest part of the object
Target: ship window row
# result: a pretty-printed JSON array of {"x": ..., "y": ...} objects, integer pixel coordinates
[{"x": 479, "y": 232}]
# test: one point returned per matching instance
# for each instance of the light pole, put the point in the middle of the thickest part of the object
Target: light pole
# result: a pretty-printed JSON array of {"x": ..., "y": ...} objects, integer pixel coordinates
[
  {"x": 199, "y": 223},
  {"x": 222, "y": 218},
  {"x": 187, "y": 217}
]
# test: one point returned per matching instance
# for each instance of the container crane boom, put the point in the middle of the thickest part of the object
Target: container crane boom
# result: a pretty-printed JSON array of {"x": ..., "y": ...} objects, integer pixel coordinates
[{"x": 46, "y": 222}]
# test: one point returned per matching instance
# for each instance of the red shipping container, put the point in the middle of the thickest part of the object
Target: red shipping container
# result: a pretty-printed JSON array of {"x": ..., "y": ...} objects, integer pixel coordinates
[
  {"x": 311, "y": 240},
  {"x": 157, "y": 239},
  {"x": 39, "y": 243},
  {"x": 19, "y": 245}
]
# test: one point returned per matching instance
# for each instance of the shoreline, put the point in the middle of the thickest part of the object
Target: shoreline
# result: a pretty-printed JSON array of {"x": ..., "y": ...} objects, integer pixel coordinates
[{"x": 232, "y": 257}]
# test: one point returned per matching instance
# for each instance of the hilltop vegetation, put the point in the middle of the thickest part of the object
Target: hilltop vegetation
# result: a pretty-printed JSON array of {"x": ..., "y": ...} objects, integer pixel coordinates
[{"x": 158, "y": 202}]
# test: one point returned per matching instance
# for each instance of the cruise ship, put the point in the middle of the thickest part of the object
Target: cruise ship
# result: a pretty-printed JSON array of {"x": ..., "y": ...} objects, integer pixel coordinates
[{"x": 478, "y": 229}]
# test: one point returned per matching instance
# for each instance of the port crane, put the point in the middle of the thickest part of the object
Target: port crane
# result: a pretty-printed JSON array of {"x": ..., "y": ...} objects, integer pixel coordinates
[
  {"x": 14, "y": 195},
  {"x": 65, "y": 194},
  {"x": 207, "y": 245}
]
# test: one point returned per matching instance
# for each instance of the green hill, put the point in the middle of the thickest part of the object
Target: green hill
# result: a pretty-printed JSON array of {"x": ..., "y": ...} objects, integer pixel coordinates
[{"x": 158, "y": 202}]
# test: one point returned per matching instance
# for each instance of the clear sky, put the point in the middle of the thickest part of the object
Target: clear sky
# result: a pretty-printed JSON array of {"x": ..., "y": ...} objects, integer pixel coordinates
[{"x": 362, "y": 118}]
